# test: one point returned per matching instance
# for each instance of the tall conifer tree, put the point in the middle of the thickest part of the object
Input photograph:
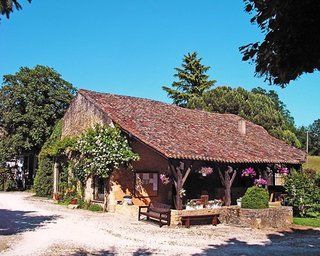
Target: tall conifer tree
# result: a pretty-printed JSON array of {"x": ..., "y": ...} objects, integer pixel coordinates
[{"x": 192, "y": 82}]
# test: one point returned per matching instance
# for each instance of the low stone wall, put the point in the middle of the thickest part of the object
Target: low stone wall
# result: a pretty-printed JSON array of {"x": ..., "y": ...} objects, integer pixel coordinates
[
  {"x": 129, "y": 210},
  {"x": 280, "y": 217}
]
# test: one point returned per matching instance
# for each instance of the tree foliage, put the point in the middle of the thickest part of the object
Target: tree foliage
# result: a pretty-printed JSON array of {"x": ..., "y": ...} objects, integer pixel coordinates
[
  {"x": 314, "y": 135},
  {"x": 31, "y": 102},
  {"x": 192, "y": 82},
  {"x": 102, "y": 149},
  {"x": 303, "y": 192},
  {"x": 7, "y": 6},
  {"x": 291, "y": 44},
  {"x": 258, "y": 106}
]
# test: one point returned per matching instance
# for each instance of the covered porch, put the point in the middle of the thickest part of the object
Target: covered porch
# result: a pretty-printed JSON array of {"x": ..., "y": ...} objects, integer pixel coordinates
[{"x": 208, "y": 184}]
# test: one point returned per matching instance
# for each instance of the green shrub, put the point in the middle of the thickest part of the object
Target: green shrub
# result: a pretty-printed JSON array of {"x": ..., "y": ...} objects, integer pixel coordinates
[
  {"x": 303, "y": 192},
  {"x": 255, "y": 198},
  {"x": 95, "y": 208},
  {"x": 65, "y": 201},
  {"x": 43, "y": 182}
]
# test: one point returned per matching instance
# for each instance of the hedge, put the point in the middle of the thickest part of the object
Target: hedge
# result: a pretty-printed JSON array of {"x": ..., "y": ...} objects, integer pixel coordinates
[{"x": 255, "y": 198}]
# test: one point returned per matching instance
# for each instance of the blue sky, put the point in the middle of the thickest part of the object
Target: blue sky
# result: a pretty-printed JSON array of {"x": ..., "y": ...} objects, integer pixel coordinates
[{"x": 131, "y": 47}]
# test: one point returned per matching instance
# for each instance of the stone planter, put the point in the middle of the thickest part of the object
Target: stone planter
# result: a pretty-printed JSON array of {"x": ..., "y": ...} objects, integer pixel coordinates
[{"x": 280, "y": 217}]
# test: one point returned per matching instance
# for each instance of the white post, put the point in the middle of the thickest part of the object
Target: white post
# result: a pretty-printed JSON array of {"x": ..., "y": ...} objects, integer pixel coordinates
[{"x": 55, "y": 178}]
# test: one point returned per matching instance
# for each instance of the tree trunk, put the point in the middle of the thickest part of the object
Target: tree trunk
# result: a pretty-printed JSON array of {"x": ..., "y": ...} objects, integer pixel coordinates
[
  {"x": 180, "y": 174},
  {"x": 178, "y": 189},
  {"x": 227, "y": 181},
  {"x": 227, "y": 196}
]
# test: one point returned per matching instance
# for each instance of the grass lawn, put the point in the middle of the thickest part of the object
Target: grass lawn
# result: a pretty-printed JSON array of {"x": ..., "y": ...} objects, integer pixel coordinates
[
  {"x": 313, "y": 162},
  {"x": 312, "y": 222}
]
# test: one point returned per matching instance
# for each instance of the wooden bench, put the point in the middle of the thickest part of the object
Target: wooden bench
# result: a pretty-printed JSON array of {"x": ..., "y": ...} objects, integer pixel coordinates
[
  {"x": 156, "y": 211},
  {"x": 187, "y": 219}
]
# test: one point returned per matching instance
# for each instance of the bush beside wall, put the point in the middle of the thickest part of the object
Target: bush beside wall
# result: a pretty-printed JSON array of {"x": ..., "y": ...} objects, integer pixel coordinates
[
  {"x": 255, "y": 198},
  {"x": 43, "y": 182}
]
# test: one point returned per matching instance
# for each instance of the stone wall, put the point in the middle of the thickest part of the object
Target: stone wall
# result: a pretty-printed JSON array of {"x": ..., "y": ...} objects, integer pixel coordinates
[
  {"x": 123, "y": 181},
  {"x": 82, "y": 115},
  {"x": 280, "y": 217}
]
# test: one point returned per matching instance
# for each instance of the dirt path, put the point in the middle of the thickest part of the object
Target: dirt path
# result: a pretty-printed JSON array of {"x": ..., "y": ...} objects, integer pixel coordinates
[{"x": 29, "y": 226}]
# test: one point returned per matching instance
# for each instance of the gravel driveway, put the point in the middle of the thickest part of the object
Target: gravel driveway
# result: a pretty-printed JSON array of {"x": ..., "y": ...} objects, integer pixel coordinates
[{"x": 31, "y": 226}]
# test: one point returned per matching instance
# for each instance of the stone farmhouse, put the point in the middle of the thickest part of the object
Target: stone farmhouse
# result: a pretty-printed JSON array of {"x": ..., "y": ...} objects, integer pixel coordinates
[{"x": 167, "y": 137}]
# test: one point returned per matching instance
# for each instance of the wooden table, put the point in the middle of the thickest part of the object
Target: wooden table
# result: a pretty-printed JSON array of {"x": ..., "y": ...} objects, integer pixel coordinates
[{"x": 187, "y": 219}]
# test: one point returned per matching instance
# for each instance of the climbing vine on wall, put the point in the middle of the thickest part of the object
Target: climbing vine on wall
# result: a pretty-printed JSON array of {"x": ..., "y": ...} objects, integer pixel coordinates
[
  {"x": 102, "y": 149},
  {"x": 43, "y": 182},
  {"x": 97, "y": 152},
  {"x": 54, "y": 147}
]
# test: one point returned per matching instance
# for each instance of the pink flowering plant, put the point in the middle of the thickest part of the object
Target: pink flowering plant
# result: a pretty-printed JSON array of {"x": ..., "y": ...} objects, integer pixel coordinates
[
  {"x": 205, "y": 171},
  {"x": 281, "y": 169},
  {"x": 165, "y": 179},
  {"x": 249, "y": 172},
  {"x": 284, "y": 171},
  {"x": 260, "y": 182}
]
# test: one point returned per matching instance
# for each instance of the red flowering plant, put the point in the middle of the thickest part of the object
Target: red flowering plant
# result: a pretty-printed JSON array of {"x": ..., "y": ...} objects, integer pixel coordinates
[{"x": 249, "y": 172}]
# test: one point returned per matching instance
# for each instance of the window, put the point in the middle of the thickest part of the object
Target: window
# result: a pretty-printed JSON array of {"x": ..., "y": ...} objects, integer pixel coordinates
[{"x": 146, "y": 184}]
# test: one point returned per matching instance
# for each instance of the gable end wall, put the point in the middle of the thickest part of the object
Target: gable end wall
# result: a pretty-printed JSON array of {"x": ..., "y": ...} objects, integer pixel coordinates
[{"x": 82, "y": 115}]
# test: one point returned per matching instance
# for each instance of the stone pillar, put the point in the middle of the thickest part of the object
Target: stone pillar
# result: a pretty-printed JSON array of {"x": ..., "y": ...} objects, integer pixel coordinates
[
  {"x": 111, "y": 202},
  {"x": 55, "y": 178}
]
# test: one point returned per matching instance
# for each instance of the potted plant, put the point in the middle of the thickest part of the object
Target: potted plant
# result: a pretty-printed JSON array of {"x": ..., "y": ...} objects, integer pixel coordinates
[
  {"x": 191, "y": 205},
  {"x": 260, "y": 182},
  {"x": 205, "y": 171},
  {"x": 56, "y": 196},
  {"x": 74, "y": 201},
  {"x": 165, "y": 179},
  {"x": 213, "y": 204},
  {"x": 249, "y": 172},
  {"x": 239, "y": 201}
]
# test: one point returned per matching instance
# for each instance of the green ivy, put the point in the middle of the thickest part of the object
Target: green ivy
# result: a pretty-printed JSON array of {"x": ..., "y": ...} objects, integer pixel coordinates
[
  {"x": 60, "y": 146},
  {"x": 43, "y": 182}
]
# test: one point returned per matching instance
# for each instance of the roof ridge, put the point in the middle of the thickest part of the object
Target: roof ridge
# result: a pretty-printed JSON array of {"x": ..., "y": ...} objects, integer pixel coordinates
[{"x": 165, "y": 103}]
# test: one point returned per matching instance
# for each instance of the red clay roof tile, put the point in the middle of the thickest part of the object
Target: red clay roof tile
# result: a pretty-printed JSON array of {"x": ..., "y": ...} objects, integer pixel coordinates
[{"x": 182, "y": 133}]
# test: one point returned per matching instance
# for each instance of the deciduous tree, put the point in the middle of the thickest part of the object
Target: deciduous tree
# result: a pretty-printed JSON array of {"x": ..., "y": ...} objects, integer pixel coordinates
[
  {"x": 31, "y": 102},
  {"x": 7, "y": 6},
  {"x": 256, "y": 106},
  {"x": 314, "y": 135},
  {"x": 291, "y": 44}
]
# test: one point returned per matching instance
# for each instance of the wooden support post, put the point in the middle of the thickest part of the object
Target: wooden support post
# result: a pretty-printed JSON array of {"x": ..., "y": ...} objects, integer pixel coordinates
[
  {"x": 180, "y": 174},
  {"x": 227, "y": 180}
]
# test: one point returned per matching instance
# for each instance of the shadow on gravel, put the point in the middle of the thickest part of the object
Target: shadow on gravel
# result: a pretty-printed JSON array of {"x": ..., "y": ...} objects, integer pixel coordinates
[
  {"x": 13, "y": 222},
  {"x": 291, "y": 242},
  {"x": 138, "y": 252}
]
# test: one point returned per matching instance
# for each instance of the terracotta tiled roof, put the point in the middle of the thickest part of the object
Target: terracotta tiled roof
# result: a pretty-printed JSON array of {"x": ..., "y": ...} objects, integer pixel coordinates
[{"x": 181, "y": 133}]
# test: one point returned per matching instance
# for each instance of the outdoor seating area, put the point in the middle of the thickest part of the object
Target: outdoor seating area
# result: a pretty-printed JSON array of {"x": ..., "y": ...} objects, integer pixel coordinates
[
  {"x": 156, "y": 211},
  {"x": 186, "y": 220}
]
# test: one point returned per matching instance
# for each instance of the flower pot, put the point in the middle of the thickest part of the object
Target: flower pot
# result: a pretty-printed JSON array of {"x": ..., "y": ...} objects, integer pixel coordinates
[
  {"x": 127, "y": 200},
  {"x": 74, "y": 201}
]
